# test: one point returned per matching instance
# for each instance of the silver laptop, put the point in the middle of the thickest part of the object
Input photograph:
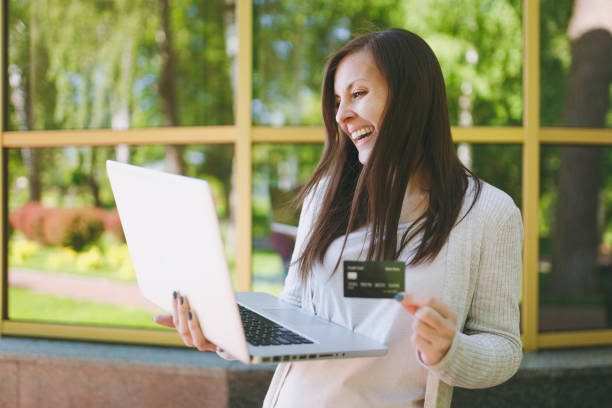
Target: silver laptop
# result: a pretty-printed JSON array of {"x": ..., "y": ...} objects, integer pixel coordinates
[{"x": 173, "y": 236}]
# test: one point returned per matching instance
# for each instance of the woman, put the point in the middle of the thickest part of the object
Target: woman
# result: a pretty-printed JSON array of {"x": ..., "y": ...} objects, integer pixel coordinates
[{"x": 389, "y": 186}]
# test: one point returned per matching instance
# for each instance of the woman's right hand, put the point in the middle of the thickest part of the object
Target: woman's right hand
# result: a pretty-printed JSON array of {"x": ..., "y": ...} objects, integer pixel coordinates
[{"x": 186, "y": 323}]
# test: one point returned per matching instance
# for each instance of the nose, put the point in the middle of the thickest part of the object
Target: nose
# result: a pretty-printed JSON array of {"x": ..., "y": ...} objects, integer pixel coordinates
[{"x": 344, "y": 112}]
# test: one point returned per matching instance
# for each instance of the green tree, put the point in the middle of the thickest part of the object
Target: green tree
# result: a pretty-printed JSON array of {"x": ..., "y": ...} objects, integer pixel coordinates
[
  {"x": 577, "y": 231},
  {"x": 119, "y": 64},
  {"x": 467, "y": 37},
  {"x": 292, "y": 41}
]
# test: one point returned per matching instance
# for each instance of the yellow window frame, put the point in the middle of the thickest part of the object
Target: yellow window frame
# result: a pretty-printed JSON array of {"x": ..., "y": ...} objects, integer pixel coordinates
[{"x": 243, "y": 134}]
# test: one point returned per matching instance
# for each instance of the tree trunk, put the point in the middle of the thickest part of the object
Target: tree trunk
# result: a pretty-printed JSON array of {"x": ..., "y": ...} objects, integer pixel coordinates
[
  {"x": 167, "y": 90},
  {"x": 31, "y": 162},
  {"x": 218, "y": 163},
  {"x": 92, "y": 181},
  {"x": 122, "y": 153},
  {"x": 577, "y": 233},
  {"x": 31, "y": 155}
]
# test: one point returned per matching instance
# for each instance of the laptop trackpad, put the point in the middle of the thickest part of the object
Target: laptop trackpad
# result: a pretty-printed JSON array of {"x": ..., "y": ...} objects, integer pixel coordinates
[{"x": 292, "y": 317}]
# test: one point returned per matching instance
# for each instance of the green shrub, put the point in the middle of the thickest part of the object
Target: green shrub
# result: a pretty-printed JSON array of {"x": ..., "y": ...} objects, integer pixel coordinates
[{"x": 72, "y": 227}]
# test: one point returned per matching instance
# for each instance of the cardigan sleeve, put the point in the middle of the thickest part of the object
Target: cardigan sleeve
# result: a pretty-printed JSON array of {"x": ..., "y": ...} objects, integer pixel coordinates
[
  {"x": 292, "y": 291},
  {"x": 488, "y": 351}
]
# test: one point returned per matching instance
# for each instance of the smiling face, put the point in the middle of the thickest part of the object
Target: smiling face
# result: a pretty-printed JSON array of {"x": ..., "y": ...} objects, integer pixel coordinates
[{"x": 361, "y": 96}]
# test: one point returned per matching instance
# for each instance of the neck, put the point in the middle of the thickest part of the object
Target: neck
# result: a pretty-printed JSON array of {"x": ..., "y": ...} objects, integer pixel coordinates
[{"x": 415, "y": 202}]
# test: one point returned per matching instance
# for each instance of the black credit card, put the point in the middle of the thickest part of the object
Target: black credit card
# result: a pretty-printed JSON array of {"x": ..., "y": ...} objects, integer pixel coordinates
[{"x": 373, "y": 279}]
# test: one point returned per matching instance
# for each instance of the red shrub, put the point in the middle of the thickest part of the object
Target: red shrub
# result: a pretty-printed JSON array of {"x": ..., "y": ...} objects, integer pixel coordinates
[
  {"x": 112, "y": 224},
  {"x": 72, "y": 227},
  {"x": 29, "y": 220}
]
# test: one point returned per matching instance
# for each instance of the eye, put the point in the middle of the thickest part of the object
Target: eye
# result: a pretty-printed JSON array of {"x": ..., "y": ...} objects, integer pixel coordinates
[{"x": 359, "y": 93}]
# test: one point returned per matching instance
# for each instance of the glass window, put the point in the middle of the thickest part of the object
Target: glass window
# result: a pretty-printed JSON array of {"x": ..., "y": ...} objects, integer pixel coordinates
[
  {"x": 498, "y": 164},
  {"x": 120, "y": 64},
  {"x": 483, "y": 79},
  {"x": 576, "y": 64},
  {"x": 67, "y": 257},
  {"x": 278, "y": 173},
  {"x": 292, "y": 41},
  {"x": 575, "y": 232}
]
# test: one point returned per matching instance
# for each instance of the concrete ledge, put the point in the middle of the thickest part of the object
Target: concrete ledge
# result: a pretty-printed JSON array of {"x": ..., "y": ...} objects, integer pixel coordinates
[
  {"x": 40, "y": 373},
  {"x": 550, "y": 378},
  {"x": 48, "y": 373},
  {"x": 119, "y": 353}
]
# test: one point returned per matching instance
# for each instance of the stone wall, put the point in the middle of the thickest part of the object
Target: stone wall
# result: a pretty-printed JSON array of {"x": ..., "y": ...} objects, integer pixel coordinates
[{"x": 43, "y": 373}]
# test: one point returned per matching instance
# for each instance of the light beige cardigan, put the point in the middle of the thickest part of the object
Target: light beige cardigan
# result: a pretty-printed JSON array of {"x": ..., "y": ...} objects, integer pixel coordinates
[{"x": 482, "y": 285}]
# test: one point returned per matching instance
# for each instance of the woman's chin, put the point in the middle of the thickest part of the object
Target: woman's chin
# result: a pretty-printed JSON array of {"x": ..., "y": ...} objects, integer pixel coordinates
[
  {"x": 363, "y": 155},
  {"x": 364, "y": 147}
]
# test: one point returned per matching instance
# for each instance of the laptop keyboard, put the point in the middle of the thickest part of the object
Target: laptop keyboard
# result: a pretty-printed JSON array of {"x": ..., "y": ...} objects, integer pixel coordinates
[{"x": 260, "y": 331}]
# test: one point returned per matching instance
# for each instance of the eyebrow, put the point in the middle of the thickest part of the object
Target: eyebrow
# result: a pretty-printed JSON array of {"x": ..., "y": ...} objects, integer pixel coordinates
[{"x": 351, "y": 84}]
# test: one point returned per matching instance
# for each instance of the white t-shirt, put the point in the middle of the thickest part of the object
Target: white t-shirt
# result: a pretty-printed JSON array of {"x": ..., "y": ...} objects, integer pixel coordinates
[{"x": 396, "y": 379}]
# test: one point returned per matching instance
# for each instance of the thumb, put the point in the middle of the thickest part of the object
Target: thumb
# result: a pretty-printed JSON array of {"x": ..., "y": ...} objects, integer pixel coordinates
[
  {"x": 164, "y": 320},
  {"x": 407, "y": 302}
]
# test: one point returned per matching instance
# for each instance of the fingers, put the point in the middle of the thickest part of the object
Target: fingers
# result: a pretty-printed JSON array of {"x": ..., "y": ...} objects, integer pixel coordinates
[
  {"x": 187, "y": 324},
  {"x": 433, "y": 319},
  {"x": 426, "y": 349},
  {"x": 424, "y": 330},
  {"x": 434, "y": 326},
  {"x": 440, "y": 307},
  {"x": 431, "y": 344},
  {"x": 175, "y": 308},
  {"x": 225, "y": 355},
  {"x": 407, "y": 302},
  {"x": 413, "y": 303},
  {"x": 197, "y": 336},
  {"x": 429, "y": 316},
  {"x": 183, "y": 327},
  {"x": 164, "y": 320}
]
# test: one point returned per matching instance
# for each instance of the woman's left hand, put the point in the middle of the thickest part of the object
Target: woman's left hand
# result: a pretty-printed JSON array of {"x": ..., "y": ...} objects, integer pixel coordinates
[{"x": 434, "y": 326}]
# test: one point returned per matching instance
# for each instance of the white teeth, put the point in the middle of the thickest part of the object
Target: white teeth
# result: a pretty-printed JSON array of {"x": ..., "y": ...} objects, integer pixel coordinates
[{"x": 357, "y": 134}]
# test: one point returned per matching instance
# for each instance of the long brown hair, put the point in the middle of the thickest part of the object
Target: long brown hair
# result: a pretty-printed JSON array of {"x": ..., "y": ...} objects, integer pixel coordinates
[{"x": 414, "y": 137}]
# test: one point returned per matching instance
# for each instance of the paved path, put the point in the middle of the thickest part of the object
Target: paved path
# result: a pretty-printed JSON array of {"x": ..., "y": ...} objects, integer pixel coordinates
[
  {"x": 88, "y": 288},
  {"x": 119, "y": 293}
]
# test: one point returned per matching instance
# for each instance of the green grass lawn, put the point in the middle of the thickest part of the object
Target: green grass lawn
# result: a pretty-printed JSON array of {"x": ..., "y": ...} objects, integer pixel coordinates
[
  {"x": 40, "y": 261},
  {"x": 271, "y": 288},
  {"x": 267, "y": 265},
  {"x": 268, "y": 273},
  {"x": 30, "y": 306}
]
